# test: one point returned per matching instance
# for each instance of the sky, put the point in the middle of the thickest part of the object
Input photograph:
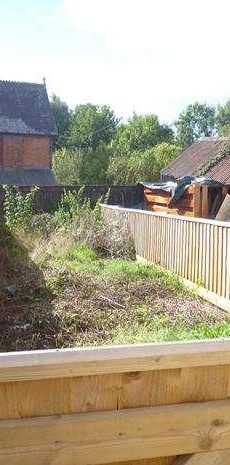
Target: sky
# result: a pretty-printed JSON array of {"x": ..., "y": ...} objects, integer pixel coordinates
[{"x": 147, "y": 56}]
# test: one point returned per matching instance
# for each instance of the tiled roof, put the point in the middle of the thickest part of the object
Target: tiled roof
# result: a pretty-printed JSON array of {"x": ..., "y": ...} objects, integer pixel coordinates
[
  {"x": 28, "y": 177},
  {"x": 25, "y": 109},
  {"x": 195, "y": 157}
]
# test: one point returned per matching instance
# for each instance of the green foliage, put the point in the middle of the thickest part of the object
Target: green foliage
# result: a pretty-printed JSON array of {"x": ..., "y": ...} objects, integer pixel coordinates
[
  {"x": 18, "y": 207},
  {"x": 62, "y": 117},
  {"x": 71, "y": 206},
  {"x": 82, "y": 166},
  {"x": 139, "y": 133},
  {"x": 223, "y": 119},
  {"x": 198, "y": 120},
  {"x": 67, "y": 166},
  {"x": 92, "y": 125},
  {"x": 141, "y": 165},
  {"x": 74, "y": 207}
]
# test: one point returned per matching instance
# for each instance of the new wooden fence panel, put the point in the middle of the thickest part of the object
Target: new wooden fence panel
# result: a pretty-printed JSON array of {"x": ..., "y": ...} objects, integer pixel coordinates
[
  {"x": 197, "y": 249},
  {"x": 124, "y": 404}
]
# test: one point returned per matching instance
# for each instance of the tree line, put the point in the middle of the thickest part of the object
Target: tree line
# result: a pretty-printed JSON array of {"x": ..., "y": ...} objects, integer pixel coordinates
[{"x": 95, "y": 147}]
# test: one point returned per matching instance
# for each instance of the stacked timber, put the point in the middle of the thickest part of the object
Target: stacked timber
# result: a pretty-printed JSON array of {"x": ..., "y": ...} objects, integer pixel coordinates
[{"x": 198, "y": 200}]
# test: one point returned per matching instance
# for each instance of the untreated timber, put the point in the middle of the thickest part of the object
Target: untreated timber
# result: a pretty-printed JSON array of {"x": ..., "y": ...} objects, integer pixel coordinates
[
  {"x": 221, "y": 457},
  {"x": 104, "y": 437},
  {"x": 48, "y": 364}
]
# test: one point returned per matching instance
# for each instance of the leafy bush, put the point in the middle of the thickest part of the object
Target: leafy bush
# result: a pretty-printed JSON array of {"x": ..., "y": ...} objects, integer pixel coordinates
[
  {"x": 82, "y": 165},
  {"x": 141, "y": 165},
  {"x": 18, "y": 207}
]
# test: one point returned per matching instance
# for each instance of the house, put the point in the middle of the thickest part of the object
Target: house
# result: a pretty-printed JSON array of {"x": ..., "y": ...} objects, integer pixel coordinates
[
  {"x": 27, "y": 129},
  {"x": 208, "y": 157}
]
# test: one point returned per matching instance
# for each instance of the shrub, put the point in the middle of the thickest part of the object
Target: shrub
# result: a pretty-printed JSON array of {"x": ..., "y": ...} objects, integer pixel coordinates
[{"x": 18, "y": 207}]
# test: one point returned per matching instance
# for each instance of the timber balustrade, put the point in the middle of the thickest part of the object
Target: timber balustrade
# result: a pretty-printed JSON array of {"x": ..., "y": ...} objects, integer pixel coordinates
[
  {"x": 148, "y": 404},
  {"x": 195, "y": 248}
]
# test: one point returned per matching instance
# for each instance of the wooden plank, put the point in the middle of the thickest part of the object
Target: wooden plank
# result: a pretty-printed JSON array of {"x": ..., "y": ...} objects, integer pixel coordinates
[
  {"x": 221, "y": 457},
  {"x": 171, "y": 211},
  {"x": 103, "y": 437},
  {"x": 156, "y": 461},
  {"x": 197, "y": 201},
  {"x": 205, "y": 202},
  {"x": 187, "y": 201},
  {"x": 181, "y": 203},
  {"x": 147, "y": 212},
  {"x": 47, "y": 364}
]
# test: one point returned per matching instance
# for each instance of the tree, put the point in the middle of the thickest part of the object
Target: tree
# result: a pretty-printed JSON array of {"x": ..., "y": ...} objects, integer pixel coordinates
[
  {"x": 139, "y": 133},
  {"x": 223, "y": 119},
  {"x": 62, "y": 117},
  {"x": 141, "y": 165},
  {"x": 81, "y": 166},
  {"x": 67, "y": 166},
  {"x": 92, "y": 125},
  {"x": 196, "y": 121}
]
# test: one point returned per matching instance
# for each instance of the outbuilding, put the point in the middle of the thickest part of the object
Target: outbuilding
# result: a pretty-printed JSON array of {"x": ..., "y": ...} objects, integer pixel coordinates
[{"x": 27, "y": 129}]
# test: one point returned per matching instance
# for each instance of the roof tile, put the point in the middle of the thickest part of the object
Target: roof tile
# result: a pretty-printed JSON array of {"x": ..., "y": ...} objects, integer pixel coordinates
[
  {"x": 192, "y": 159},
  {"x": 25, "y": 109}
]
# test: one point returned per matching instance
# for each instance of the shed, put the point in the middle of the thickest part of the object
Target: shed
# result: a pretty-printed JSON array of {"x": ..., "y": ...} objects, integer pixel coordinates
[{"x": 186, "y": 196}]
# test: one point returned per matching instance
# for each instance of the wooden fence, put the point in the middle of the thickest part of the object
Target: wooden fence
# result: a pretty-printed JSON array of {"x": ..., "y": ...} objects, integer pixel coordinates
[
  {"x": 48, "y": 197},
  {"x": 133, "y": 405},
  {"x": 195, "y": 248}
]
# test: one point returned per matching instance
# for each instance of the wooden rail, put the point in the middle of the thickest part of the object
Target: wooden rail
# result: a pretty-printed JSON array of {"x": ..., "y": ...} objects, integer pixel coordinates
[
  {"x": 197, "y": 249},
  {"x": 149, "y": 404}
]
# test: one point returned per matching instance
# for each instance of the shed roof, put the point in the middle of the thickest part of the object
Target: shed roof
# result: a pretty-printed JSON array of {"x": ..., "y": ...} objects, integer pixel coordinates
[
  {"x": 28, "y": 177},
  {"x": 25, "y": 109},
  {"x": 197, "y": 156}
]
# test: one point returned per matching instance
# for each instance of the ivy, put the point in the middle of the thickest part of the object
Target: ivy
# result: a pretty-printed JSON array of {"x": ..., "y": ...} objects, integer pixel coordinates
[{"x": 219, "y": 155}]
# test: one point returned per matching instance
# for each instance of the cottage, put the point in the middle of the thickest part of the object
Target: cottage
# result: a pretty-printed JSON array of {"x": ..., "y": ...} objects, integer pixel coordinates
[{"x": 27, "y": 129}]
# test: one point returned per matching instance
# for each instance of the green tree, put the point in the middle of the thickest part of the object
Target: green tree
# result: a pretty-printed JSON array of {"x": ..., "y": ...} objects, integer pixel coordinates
[
  {"x": 81, "y": 166},
  {"x": 62, "y": 117},
  {"x": 141, "y": 165},
  {"x": 92, "y": 125},
  {"x": 198, "y": 120},
  {"x": 141, "y": 132},
  {"x": 223, "y": 119},
  {"x": 67, "y": 165}
]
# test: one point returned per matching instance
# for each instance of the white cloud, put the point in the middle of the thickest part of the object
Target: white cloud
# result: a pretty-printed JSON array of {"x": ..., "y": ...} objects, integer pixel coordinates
[
  {"x": 143, "y": 55},
  {"x": 171, "y": 52}
]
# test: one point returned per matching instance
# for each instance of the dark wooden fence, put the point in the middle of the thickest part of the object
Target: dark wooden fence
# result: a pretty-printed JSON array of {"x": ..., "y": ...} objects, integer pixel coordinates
[{"x": 49, "y": 196}]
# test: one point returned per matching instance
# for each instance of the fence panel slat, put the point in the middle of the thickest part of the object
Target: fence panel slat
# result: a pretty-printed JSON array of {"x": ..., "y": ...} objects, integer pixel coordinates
[{"x": 197, "y": 249}]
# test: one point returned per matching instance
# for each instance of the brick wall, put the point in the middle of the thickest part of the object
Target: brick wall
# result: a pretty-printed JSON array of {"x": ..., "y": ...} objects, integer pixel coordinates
[
  {"x": 37, "y": 152},
  {"x": 25, "y": 152}
]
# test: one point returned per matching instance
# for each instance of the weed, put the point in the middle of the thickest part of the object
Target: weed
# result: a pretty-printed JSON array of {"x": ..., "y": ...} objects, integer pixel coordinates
[{"x": 18, "y": 207}]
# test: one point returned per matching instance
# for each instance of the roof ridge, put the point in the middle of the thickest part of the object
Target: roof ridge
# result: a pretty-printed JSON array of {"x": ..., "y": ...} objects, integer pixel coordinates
[
  {"x": 7, "y": 81},
  {"x": 213, "y": 138}
]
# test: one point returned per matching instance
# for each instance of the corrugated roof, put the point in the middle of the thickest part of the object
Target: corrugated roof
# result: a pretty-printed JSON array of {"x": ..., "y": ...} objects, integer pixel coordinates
[
  {"x": 28, "y": 177},
  {"x": 25, "y": 109},
  {"x": 192, "y": 159}
]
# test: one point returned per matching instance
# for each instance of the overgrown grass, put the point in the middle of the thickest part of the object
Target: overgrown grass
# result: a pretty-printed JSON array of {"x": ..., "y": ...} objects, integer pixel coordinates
[{"x": 72, "y": 281}]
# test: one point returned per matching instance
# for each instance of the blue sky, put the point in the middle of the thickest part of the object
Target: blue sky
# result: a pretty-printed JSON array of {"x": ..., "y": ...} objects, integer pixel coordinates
[{"x": 148, "y": 56}]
